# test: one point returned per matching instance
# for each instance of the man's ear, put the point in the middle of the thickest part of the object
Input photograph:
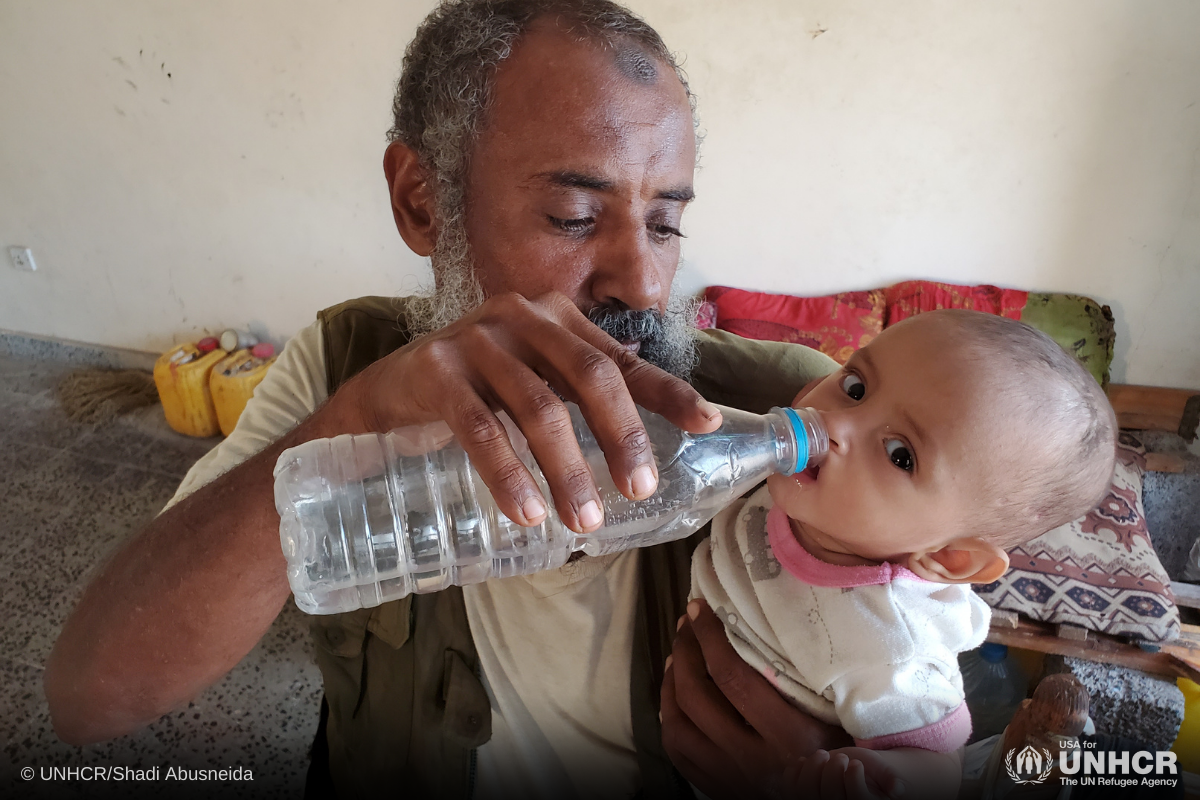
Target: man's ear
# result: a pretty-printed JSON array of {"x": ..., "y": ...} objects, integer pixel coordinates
[
  {"x": 412, "y": 198},
  {"x": 966, "y": 560}
]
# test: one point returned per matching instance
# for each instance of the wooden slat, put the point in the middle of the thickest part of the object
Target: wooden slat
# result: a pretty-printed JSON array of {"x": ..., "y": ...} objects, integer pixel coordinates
[
  {"x": 1155, "y": 408},
  {"x": 1180, "y": 658},
  {"x": 1164, "y": 462},
  {"x": 1186, "y": 594}
]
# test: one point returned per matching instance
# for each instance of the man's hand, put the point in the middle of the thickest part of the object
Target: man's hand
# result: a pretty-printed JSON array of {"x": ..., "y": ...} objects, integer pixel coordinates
[
  {"x": 514, "y": 354},
  {"x": 725, "y": 727}
]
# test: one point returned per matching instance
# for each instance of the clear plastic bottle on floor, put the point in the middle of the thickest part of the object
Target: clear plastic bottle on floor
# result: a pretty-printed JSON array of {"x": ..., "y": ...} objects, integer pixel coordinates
[
  {"x": 372, "y": 518},
  {"x": 994, "y": 685}
]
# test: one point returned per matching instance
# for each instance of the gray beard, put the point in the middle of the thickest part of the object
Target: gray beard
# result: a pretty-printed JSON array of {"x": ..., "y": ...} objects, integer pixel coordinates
[{"x": 666, "y": 339}]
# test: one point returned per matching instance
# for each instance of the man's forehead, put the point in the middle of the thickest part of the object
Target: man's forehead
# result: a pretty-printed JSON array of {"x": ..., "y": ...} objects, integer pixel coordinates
[{"x": 559, "y": 95}]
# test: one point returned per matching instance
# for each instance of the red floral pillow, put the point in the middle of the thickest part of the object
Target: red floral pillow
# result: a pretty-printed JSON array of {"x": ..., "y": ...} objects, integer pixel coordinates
[
  {"x": 912, "y": 297},
  {"x": 836, "y": 324}
]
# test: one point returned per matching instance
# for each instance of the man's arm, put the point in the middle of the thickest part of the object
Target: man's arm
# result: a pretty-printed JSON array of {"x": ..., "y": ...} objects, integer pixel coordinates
[
  {"x": 178, "y": 605},
  {"x": 187, "y": 597}
]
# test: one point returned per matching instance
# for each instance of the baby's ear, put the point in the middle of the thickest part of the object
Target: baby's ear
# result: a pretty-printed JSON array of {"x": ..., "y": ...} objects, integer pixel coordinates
[{"x": 966, "y": 560}]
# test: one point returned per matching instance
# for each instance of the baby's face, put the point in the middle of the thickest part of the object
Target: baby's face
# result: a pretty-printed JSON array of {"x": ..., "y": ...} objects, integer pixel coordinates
[{"x": 912, "y": 436}]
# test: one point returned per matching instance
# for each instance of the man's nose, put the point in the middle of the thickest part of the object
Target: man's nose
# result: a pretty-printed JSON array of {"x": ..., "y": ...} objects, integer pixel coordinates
[{"x": 627, "y": 271}]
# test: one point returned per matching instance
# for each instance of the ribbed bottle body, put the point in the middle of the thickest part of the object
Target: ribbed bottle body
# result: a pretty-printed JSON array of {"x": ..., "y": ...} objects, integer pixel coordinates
[{"x": 371, "y": 518}]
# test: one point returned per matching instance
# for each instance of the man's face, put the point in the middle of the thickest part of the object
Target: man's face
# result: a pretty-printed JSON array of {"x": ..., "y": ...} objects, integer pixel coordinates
[
  {"x": 580, "y": 176},
  {"x": 913, "y": 440}
]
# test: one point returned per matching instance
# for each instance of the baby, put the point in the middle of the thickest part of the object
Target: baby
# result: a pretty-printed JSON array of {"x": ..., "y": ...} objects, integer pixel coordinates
[{"x": 953, "y": 436}]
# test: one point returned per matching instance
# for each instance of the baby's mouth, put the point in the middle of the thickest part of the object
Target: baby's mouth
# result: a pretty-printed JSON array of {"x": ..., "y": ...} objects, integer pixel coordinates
[{"x": 808, "y": 475}]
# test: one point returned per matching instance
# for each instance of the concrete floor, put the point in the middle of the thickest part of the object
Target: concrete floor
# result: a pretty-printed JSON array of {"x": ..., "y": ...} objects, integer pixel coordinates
[{"x": 71, "y": 496}]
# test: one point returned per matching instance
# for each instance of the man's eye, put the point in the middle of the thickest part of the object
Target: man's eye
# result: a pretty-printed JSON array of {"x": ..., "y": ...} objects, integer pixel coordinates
[
  {"x": 571, "y": 225},
  {"x": 899, "y": 454},
  {"x": 663, "y": 233},
  {"x": 854, "y": 387}
]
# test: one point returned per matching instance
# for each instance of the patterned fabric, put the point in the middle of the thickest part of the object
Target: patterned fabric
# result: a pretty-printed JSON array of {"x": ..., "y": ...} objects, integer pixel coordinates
[
  {"x": 1080, "y": 325},
  {"x": 912, "y": 297},
  {"x": 836, "y": 324},
  {"x": 1099, "y": 572},
  {"x": 706, "y": 315}
]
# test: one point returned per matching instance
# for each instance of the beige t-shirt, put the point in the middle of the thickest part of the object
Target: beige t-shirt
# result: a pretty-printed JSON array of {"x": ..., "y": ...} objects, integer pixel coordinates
[{"x": 554, "y": 647}]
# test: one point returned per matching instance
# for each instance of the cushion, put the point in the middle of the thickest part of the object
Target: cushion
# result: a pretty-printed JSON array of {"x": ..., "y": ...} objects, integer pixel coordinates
[
  {"x": 912, "y": 297},
  {"x": 1079, "y": 324},
  {"x": 836, "y": 324},
  {"x": 1099, "y": 572}
]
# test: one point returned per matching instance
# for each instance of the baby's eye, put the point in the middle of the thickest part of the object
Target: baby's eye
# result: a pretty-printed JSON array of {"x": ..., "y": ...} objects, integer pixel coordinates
[
  {"x": 853, "y": 386},
  {"x": 899, "y": 454}
]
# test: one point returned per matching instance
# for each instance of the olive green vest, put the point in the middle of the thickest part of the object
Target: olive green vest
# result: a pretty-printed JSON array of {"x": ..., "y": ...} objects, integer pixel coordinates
[{"x": 406, "y": 709}]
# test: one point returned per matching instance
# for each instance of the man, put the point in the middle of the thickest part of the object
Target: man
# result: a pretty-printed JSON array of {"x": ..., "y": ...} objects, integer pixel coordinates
[{"x": 542, "y": 155}]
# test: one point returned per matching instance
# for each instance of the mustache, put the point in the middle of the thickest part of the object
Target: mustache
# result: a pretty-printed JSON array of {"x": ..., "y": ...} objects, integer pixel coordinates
[{"x": 628, "y": 325}]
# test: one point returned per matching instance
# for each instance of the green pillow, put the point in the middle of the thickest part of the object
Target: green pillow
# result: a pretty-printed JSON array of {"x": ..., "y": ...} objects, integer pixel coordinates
[{"x": 1079, "y": 324}]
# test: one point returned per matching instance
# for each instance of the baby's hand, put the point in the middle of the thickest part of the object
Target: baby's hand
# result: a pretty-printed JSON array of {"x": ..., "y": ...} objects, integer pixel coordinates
[{"x": 852, "y": 773}]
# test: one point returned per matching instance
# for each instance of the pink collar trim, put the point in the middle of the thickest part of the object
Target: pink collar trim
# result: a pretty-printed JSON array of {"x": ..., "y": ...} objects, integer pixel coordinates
[{"x": 810, "y": 569}]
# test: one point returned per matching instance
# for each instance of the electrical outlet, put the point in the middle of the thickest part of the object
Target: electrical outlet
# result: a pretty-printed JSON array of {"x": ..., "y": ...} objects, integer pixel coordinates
[{"x": 22, "y": 258}]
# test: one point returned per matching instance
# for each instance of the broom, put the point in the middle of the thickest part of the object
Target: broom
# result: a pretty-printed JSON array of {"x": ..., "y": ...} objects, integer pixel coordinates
[{"x": 99, "y": 396}]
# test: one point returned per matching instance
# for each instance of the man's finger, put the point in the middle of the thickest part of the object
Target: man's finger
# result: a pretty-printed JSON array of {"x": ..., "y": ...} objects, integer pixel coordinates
[
  {"x": 704, "y": 704},
  {"x": 650, "y": 387},
  {"x": 581, "y": 371},
  {"x": 547, "y": 427},
  {"x": 688, "y": 747},
  {"x": 792, "y": 732},
  {"x": 482, "y": 435}
]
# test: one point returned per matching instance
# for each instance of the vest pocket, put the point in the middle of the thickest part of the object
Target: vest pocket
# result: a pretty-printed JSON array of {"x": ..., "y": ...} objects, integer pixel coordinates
[
  {"x": 340, "y": 635},
  {"x": 468, "y": 715}
]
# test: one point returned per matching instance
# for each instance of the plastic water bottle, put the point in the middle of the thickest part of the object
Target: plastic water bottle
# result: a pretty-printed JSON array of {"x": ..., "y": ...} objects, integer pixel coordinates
[
  {"x": 371, "y": 518},
  {"x": 994, "y": 685}
]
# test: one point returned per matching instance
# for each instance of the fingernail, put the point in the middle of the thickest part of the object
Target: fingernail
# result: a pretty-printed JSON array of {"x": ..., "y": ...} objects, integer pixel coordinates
[
  {"x": 534, "y": 509},
  {"x": 679, "y": 624},
  {"x": 708, "y": 409},
  {"x": 590, "y": 515},
  {"x": 667, "y": 665},
  {"x": 898, "y": 788},
  {"x": 643, "y": 481},
  {"x": 693, "y": 609}
]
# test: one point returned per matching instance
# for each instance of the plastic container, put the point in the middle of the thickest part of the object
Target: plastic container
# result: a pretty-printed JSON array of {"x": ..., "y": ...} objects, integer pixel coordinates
[
  {"x": 1187, "y": 743},
  {"x": 368, "y": 519},
  {"x": 233, "y": 382},
  {"x": 994, "y": 685},
  {"x": 181, "y": 375},
  {"x": 232, "y": 340}
]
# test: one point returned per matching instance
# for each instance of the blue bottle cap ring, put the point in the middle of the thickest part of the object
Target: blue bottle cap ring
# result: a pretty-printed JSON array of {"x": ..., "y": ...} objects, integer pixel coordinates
[{"x": 802, "y": 445}]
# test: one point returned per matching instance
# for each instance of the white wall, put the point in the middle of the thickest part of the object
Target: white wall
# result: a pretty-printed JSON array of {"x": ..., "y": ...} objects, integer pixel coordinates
[{"x": 181, "y": 167}]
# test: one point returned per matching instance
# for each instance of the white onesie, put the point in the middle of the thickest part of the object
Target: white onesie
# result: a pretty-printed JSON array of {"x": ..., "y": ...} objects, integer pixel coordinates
[{"x": 873, "y": 649}]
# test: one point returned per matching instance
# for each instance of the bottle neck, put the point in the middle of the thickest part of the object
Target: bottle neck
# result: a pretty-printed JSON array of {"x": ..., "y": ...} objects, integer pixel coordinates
[{"x": 801, "y": 438}]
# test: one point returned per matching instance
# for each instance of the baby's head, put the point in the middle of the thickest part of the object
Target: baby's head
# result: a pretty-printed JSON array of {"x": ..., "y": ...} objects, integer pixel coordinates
[{"x": 954, "y": 436}]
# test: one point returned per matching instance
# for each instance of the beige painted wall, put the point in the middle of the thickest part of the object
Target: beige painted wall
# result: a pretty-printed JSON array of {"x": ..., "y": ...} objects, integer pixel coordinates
[{"x": 182, "y": 167}]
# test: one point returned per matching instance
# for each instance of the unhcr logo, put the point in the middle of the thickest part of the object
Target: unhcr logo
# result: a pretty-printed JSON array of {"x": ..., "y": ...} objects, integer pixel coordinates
[
  {"x": 1029, "y": 766},
  {"x": 1081, "y": 765}
]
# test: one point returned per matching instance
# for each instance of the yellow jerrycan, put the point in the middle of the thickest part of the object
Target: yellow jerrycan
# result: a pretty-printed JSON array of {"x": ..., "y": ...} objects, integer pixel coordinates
[
  {"x": 181, "y": 375},
  {"x": 233, "y": 381},
  {"x": 1187, "y": 744}
]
